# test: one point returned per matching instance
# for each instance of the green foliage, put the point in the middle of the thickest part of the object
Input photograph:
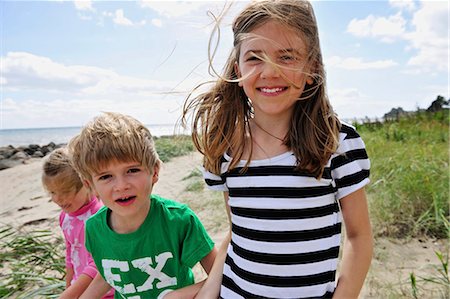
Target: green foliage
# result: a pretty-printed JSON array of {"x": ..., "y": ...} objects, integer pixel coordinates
[
  {"x": 173, "y": 146},
  {"x": 32, "y": 264},
  {"x": 410, "y": 174}
]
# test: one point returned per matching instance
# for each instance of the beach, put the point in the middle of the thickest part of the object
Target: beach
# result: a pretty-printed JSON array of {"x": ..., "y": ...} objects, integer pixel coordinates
[{"x": 24, "y": 204}]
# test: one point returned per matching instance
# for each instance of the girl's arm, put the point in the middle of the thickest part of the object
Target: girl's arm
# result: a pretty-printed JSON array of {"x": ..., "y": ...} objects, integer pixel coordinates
[
  {"x": 69, "y": 276},
  {"x": 358, "y": 245},
  {"x": 77, "y": 288},
  {"x": 211, "y": 288},
  {"x": 97, "y": 289}
]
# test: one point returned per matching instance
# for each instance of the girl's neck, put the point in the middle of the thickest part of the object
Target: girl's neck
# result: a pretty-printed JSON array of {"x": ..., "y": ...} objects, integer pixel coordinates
[{"x": 267, "y": 139}]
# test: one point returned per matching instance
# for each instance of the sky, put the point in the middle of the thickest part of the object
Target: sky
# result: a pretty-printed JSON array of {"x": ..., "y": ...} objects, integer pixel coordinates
[{"x": 64, "y": 62}]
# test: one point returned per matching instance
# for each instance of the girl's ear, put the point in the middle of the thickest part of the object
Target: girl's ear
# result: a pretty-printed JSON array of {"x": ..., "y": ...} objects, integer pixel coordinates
[
  {"x": 238, "y": 73},
  {"x": 309, "y": 80},
  {"x": 90, "y": 187}
]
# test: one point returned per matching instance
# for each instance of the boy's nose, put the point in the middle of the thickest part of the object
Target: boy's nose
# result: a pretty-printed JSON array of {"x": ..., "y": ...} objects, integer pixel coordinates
[{"x": 121, "y": 184}]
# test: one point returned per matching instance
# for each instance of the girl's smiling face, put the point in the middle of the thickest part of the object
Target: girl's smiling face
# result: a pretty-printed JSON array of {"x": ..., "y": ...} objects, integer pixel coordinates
[
  {"x": 272, "y": 65},
  {"x": 69, "y": 201}
]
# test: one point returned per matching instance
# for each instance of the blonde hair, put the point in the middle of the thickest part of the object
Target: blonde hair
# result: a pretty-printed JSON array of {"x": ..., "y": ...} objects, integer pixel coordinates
[
  {"x": 221, "y": 115},
  {"x": 58, "y": 171},
  {"x": 112, "y": 137}
]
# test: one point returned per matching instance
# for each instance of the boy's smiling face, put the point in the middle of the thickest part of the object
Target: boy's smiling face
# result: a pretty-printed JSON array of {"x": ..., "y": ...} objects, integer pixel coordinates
[{"x": 125, "y": 187}]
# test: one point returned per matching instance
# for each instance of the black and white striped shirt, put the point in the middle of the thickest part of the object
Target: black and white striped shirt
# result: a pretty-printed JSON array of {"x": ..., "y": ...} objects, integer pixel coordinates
[{"x": 286, "y": 225}]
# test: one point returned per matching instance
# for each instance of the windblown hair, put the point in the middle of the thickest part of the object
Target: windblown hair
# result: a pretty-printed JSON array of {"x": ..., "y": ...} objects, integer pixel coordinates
[
  {"x": 57, "y": 171},
  {"x": 112, "y": 137},
  {"x": 220, "y": 116}
]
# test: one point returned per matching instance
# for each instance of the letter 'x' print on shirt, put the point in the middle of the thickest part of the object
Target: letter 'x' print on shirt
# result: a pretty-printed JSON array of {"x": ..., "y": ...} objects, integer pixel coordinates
[{"x": 143, "y": 264}]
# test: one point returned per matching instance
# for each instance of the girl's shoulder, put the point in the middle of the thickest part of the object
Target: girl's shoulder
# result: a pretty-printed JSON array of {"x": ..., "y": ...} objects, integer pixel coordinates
[{"x": 348, "y": 131}]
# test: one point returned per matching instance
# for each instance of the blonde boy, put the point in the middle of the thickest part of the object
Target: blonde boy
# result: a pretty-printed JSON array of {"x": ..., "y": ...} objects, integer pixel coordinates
[{"x": 144, "y": 246}]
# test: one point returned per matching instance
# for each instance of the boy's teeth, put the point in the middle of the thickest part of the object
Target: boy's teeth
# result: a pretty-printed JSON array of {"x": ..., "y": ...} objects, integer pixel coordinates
[{"x": 271, "y": 90}]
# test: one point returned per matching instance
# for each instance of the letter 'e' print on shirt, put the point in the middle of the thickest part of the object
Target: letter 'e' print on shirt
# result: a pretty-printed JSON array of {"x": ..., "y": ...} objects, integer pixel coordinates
[{"x": 145, "y": 265}]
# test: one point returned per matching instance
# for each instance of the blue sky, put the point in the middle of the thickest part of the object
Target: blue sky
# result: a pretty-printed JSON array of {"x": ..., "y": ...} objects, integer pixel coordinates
[{"x": 63, "y": 62}]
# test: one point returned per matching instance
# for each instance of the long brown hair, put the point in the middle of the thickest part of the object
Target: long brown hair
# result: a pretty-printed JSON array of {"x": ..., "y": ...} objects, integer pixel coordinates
[{"x": 221, "y": 115}]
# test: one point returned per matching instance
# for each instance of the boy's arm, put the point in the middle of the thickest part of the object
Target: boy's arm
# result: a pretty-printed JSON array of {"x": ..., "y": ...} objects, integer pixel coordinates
[
  {"x": 77, "y": 288},
  {"x": 358, "y": 245},
  {"x": 208, "y": 261},
  {"x": 97, "y": 289}
]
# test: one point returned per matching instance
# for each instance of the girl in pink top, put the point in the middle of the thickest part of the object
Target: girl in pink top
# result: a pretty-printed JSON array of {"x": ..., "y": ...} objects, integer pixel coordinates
[{"x": 77, "y": 204}]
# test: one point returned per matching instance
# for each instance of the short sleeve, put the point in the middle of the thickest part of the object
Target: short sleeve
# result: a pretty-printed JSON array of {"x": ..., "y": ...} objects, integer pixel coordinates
[
  {"x": 350, "y": 165},
  {"x": 196, "y": 242},
  {"x": 214, "y": 181}
]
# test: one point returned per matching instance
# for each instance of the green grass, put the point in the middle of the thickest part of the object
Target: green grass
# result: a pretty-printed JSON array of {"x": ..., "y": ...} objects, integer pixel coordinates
[
  {"x": 409, "y": 189},
  {"x": 173, "y": 146},
  {"x": 32, "y": 264}
]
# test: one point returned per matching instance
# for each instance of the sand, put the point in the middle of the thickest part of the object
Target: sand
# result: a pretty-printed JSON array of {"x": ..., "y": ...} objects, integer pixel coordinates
[{"x": 25, "y": 204}]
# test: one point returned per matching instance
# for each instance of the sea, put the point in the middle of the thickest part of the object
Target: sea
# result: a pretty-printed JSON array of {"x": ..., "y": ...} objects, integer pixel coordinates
[{"x": 43, "y": 136}]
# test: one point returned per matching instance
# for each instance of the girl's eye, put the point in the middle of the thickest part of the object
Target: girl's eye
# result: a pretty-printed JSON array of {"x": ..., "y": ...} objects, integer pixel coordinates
[
  {"x": 252, "y": 58},
  {"x": 104, "y": 177},
  {"x": 287, "y": 58}
]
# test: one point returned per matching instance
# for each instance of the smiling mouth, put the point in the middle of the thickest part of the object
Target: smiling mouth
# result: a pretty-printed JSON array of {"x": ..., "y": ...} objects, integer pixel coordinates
[{"x": 272, "y": 90}]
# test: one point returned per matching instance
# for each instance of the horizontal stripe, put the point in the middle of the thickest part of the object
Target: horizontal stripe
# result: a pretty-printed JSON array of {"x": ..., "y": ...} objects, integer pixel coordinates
[
  {"x": 286, "y": 259},
  {"x": 287, "y": 236},
  {"x": 281, "y": 192},
  {"x": 278, "y": 281},
  {"x": 286, "y": 225},
  {"x": 352, "y": 179},
  {"x": 286, "y": 213},
  {"x": 347, "y": 157},
  {"x": 248, "y": 289},
  {"x": 270, "y": 170},
  {"x": 276, "y": 181},
  {"x": 349, "y": 168},
  {"x": 281, "y": 203},
  {"x": 287, "y": 247},
  {"x": 310, "y": 268},
  {"x": 342, "y": 192}
]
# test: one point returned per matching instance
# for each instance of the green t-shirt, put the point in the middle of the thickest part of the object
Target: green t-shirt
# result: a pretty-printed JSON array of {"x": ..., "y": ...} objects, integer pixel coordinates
[{"x": 156, "y": 257}]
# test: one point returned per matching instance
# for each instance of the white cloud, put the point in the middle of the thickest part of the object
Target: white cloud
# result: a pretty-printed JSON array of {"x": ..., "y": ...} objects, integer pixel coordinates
[
  {"x": 426, "y": 33},
  {"x": 355, "y": 63},
  {"x": 174, "y": 9},
  {"x": 430, "y": 37},
  {"x": 26, "y": 71},
  {"x": 83, "y": 5},
  {"x": 387, "y": 29},
  {"x": 403, "y": 4},
  {"x": 120, "y": 19}
]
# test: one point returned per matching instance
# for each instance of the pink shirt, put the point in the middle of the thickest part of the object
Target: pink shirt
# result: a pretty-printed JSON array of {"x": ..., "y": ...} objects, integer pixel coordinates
[{"x": 77, "y": 257}]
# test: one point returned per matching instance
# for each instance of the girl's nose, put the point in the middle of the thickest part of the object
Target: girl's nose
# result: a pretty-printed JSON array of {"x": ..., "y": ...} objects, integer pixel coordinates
[{"x": 269, "y": 70}]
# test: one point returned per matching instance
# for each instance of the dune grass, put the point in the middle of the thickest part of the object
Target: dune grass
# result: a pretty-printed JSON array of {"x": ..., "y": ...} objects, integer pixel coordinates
[{"x": 409, "y": 190}]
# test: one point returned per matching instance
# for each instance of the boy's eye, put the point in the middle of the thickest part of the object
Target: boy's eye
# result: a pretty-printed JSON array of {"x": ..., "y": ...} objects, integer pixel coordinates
[{"x": 134, "y": 170}]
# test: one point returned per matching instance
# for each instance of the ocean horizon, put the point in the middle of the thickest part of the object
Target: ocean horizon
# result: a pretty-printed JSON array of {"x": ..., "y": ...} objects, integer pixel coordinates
[{"x": 58, "y": 135}]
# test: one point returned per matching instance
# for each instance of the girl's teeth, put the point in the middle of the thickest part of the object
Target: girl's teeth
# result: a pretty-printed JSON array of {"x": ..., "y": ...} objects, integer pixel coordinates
[{"x": 271, "y": 90}]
